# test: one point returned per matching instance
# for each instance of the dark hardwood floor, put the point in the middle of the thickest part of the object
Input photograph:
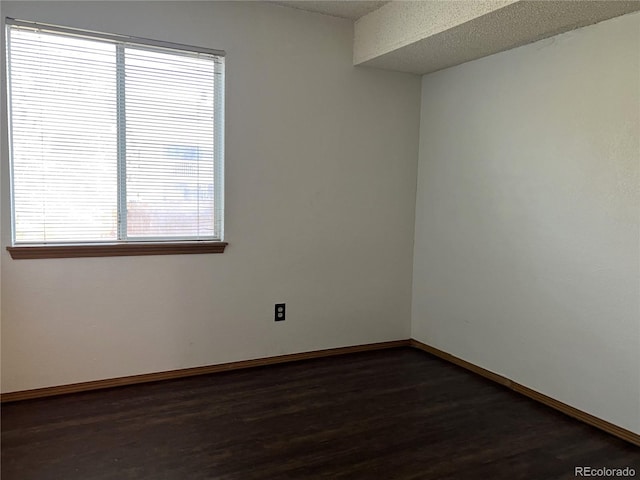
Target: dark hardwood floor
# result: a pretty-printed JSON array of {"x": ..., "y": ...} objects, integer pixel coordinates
[{"x": 394, "y": 414}]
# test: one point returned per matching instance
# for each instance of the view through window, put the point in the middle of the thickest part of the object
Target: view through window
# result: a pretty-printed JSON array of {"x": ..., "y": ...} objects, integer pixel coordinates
[{"x": 113, "y": 140}]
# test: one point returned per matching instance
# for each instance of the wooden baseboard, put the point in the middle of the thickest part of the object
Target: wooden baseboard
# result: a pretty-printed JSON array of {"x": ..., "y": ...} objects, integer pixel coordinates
[
  {"x": 190, "y": 372},
  {"x": 585, "y": 417},
  {"x": 620, "y": 432}
]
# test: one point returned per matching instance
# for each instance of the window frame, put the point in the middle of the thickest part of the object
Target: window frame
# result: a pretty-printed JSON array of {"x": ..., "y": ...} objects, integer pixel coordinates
[{"x": 134, "y": 245}]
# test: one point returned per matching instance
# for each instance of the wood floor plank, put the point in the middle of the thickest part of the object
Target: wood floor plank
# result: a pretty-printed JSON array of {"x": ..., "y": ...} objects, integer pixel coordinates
[{"x": 393, "y": 414}]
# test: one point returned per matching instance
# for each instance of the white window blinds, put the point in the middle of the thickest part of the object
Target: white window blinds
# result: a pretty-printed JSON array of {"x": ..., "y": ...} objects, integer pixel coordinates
[{"x": 113, "y": 139}]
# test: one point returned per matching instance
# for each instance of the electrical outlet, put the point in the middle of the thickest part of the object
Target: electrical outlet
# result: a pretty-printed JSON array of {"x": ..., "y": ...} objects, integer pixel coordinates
[{"x": 280, "y": 311}]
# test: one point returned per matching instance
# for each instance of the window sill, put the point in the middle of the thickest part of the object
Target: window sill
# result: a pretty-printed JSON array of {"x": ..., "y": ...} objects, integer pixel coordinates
[{"x": 115, "y": 250}]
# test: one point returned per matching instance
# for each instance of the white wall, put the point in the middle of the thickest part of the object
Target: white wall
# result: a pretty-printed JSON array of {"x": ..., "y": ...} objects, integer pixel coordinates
[
  {"x": 320, "y": 195},
  {"x": 527, "y": 220}
]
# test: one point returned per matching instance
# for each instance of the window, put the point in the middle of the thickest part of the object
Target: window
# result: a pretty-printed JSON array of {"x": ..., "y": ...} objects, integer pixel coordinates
[{"x": 114, "y": 140}]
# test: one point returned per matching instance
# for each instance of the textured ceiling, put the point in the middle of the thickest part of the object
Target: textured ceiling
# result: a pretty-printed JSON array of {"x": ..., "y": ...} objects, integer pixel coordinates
[
  {"x": 345, "y": 9},
  {"x": 423, "y": 36},
  {"x": 516, "y": 24}
]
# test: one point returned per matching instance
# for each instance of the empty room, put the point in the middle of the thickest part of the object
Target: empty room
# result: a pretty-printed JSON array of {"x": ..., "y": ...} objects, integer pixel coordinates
[{"x": 320, "y": 239}]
